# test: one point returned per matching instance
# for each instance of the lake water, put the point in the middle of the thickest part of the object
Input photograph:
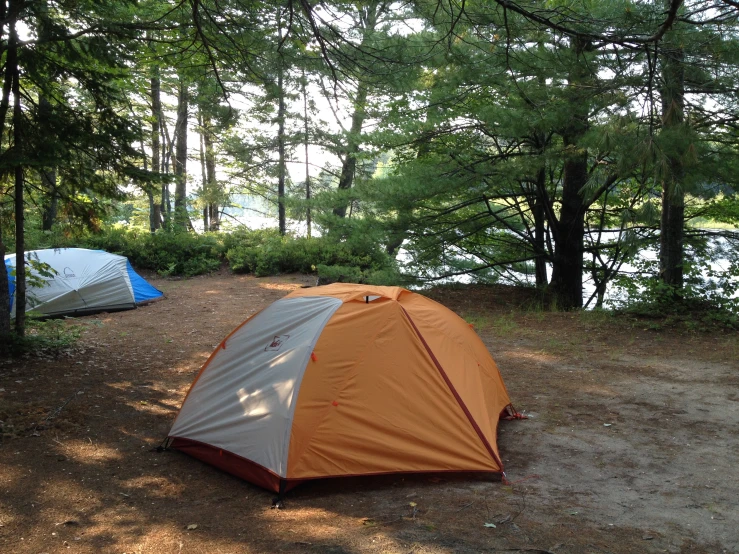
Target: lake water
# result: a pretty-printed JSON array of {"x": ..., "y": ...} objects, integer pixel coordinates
[{"x": 255, "y": 214}]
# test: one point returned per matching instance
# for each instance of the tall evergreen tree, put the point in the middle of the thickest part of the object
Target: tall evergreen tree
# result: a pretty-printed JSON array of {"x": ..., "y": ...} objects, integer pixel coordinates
[{"x": 84, "y": 136}]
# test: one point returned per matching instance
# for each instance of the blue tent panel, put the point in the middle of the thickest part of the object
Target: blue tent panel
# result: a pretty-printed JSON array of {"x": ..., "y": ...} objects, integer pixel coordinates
[
  {"x": 11, "y": 283},
  {"x": 142, "y": 291}
]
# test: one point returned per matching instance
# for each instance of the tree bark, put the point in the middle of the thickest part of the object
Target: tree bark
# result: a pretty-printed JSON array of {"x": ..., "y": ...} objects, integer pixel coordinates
[
  {"x": 307, "y": 165},
  {"x": 51, "y": 206},
  {"x": 369, "y": 18},
  {"x": 539, "y": 213},
  {"x": 567, "y": 263},
  {"x": 181, "y": 219},
  {"x": 214, "y": 222},
  {"x": 673, "y": 196},
  {"x": 5, "y": 325},
  {"x": 349, "y": 163},
  {"x": 20, "y": 246},
  {"x": 281, "y": 140},
  {"x": 48, "y": 178},
  {"x": 7, "y": 82},
  {"x": 4, "y": 302},
  {"x": 155, "y": 212},
  {"x": 204, "y": 179}
]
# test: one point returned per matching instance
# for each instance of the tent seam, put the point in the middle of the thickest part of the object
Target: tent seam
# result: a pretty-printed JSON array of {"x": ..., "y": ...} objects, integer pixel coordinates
[
  {"x": 328, "y": 410},
  {"x": 461, "y": 403}
]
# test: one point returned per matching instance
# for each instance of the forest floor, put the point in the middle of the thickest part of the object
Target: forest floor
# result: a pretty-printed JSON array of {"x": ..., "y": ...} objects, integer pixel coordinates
[{"x": 631, "y": 444}]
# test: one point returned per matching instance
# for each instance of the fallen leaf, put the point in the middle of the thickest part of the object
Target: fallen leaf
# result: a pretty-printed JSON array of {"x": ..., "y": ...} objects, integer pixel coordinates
[
  {"x": 412, "y": 504},
  {"x": 491, "y": 525},
  {"x": 192, "y": 526}
]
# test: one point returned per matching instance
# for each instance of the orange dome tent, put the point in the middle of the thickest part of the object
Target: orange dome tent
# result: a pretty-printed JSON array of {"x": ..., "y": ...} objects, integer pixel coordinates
[{"x": 345, "y": 380}]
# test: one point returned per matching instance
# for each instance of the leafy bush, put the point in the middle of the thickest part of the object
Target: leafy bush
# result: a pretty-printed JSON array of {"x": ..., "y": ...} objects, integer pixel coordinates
[
  {"x": 349, "y": 274},
  {"x": 269, "y": 253},
  {"x": 165, "y": 252},
  {"x": 37, "y": 239},
  {"x": 359, "y": 258},
  {"x": 45, "y": 337},
  {"x": 706, "y": 301},
  {"x": 339, "y": 273}
]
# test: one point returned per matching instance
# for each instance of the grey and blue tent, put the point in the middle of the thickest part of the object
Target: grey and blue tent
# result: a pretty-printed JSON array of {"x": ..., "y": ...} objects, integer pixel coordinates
[{"x": 80, "y": 281}]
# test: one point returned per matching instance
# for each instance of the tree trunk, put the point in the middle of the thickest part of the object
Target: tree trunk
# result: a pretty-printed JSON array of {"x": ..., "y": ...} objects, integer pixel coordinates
[
  {"x": 5, "y": 326},
  {"x": 398, "y": 231},
  {"x": 48, "y": 178},
  {"x": 167, "y": 149},
  {"x": 567, "y": 263},
  {"x": 204, "y": 179},
  {"x": 155, "y": 211},
  {"x": 20, "y": 246},
  {"x": 4, "y": 302},
  {"x": 673, "y": 195},
  {"x": 369, "y": 17},
  {"x": 51, "y": 206},
  {"x": 349, "y": 163},
  {"x": 7, "y": 83},
  {"x": 181, "y": 218},
  {"x": 307, "y": 165},
  {"x": 539, "y": 213},
  {"x": 210, "y": 174},
  {"x": 281, "y": 139}
]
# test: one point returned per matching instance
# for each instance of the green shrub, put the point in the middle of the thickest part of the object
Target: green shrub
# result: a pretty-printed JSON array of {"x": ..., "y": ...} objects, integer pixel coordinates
[
  {"x": 694, "y": 308},
  {"x": 339, "y": 274},
  {"x": 261, "y": 252},
  {"x": 351, "y": 274},
  {"x": 166, "y": 252},
  {"x": 269, "y": 253},
  {"x": 44, "y": 337}
]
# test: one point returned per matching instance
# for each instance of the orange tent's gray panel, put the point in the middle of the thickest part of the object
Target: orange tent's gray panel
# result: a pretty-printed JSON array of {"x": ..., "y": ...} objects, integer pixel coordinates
[{"x": 244, "y": 399}]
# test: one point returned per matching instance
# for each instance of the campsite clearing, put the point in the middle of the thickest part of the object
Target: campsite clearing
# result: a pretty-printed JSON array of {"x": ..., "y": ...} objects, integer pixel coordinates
[{"x": 631, "y": 445}]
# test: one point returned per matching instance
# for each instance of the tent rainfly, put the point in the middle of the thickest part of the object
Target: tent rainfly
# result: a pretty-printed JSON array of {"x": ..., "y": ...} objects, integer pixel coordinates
[
  {"x": 81, "y": 281},
  {"x": 345, "y": 380}
]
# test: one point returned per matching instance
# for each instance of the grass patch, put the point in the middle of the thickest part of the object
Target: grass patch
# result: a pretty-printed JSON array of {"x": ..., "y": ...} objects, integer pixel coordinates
[
  {"x": 479, "y": 322},
  {"x": 505, "y": 324},
  {"x": 46, "y": 337}
]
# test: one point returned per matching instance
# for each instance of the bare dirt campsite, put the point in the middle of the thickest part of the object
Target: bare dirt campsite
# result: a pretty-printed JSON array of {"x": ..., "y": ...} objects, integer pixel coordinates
[{"x": 631, "y": 444}]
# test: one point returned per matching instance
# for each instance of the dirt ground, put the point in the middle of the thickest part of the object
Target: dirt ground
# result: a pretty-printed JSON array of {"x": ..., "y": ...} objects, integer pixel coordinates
[{"x": 631, "y": 444}]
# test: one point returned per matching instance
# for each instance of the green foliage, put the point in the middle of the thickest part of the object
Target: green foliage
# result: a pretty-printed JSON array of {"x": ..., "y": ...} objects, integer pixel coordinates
[
  {"x": 267, "y": 253},
  {"x": 168, "y": 253},
  {"x": 707, "y": 300},
  {"x": 57, "y": 237},
  {"x": 666, "y": 306},
  {"x": 262, "y": 252},
  {"x": 45, "y": 336},
  {"x": 463, "y": 166},
  {"x": 339, "y": 274}
]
